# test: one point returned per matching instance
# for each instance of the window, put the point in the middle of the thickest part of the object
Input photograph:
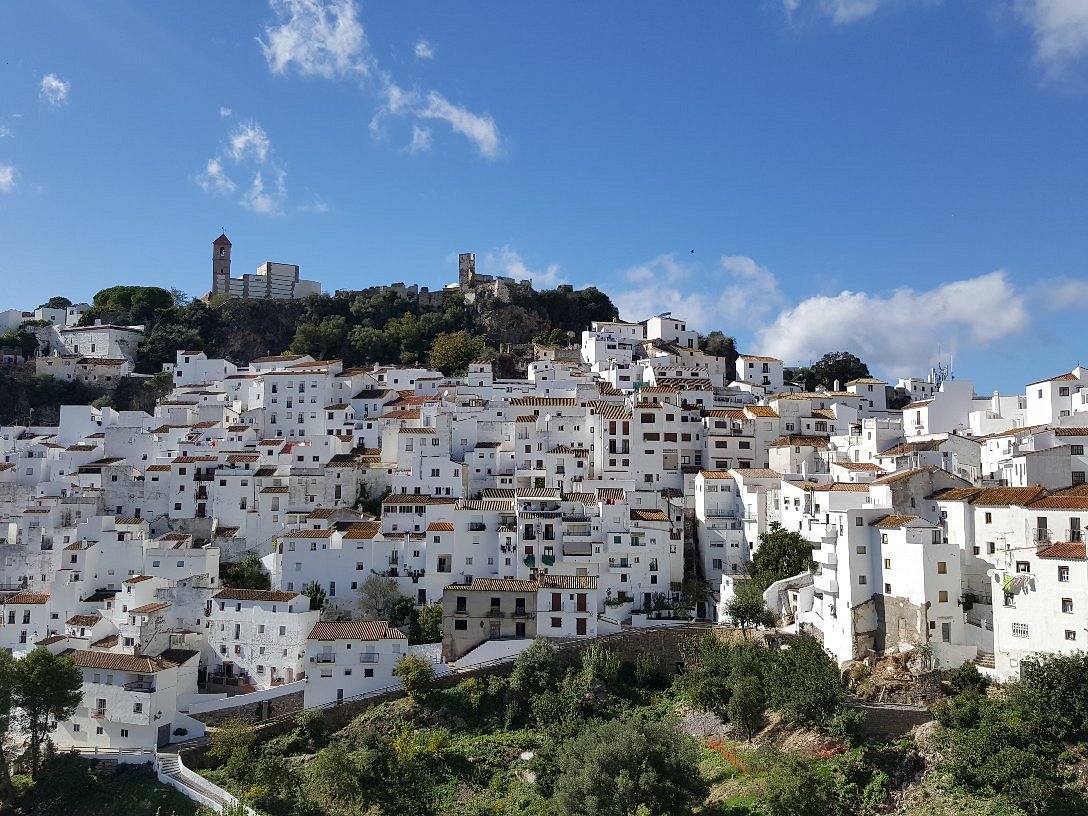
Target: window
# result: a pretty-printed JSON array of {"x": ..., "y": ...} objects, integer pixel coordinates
[
  {"x": 887, "y": 563},
  {"x": 942, "y": 596},
  {"x": 460, "y": 625},
  {"x": 557, "y": 623},
  {"x": 1067, "y": 606},
  {"x": 1070, "y": 634},
  {"x": 1023, "y": 566},
  {"x": 942, "y": 568},
  {"x": 137, "y": 708},
  {"x": 989, "y": 518},
  {"x": 1020, "y": 630},
  {"x": 368, "y": 672},
  {"x": 1076, "y": 450},
  {"x": 990, "y": 548},
  {"x": 862, "y": 580},
  {"x": 887, "y": 589},
  {"x": 124, "y": 732},
  {"x": 860, "y": 549},
  {"x": 1063, "y": 574}
]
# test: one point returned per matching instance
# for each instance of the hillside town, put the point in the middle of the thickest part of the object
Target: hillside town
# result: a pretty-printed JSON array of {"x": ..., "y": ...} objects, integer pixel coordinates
[{"x": 624, "y": 482}]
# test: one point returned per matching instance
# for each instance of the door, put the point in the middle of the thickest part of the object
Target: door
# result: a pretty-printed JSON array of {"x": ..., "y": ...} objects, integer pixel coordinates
[
  {"x": 519, "y": 629},
  {"x": 162, "y": 736},
  {"x": 946, "y": 632},
  {"x": 581, "y": 602},
  {"x": 580, "y": 626},
  {"x": 339, "y": 696}
]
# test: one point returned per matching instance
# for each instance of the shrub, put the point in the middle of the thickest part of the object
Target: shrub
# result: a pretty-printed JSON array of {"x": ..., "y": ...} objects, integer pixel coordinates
[
  {"x": 599, "y": 663},
  {"x": 967, "y": 677},
  {"x": 415, "y": 672}
]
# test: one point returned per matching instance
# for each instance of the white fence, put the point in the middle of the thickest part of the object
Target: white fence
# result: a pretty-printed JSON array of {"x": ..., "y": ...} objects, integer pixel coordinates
[{"x": 202, "y": 706}]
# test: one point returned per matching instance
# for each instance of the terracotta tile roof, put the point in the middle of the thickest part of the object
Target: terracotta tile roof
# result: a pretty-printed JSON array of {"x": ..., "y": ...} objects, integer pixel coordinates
[
  {"x": 275, "y": 489},
  {"x": 487, "y": 505},
  {"x": 903, "y": 448},
  {"x": 355, "y": 630},
  {"x": 87, "y": 659},
  {"x": 157, "y": 468},
  {"x": 756, "y": 473},
  {"x": 137, "y": 579},
  {"x": 147, "y": 609},
  {"x": 584, "y": 498},
  {"x": 1070, "y": 431},
  {"x": 610, "y": 410},
  {"x": 614, "y": 493},
  {"x": 918, "y": 404},
  {"x": 495, "y": 585},
  {"x": 538, "y": 493},
  {"x": 402, "y": 413},
  {"x": 49, "y": 641},
  {"x": 321, "y": 513},
  {"x": 715, "y": 474},
  {"x": 244, "y": 457},
  {"x": 823, "y": 413},
  {"x": 81, "y": 448},
  {"x": 129, "y": 521},
  {"x": 279, "y": 358},
  {"x": 761, "y": 411},
  {"x": 800, "y": 441},
  {"x": 866, "y": 381},
  {"x": 440, "y": 527},
  {"x": 28, "y": 598},
  {"x": 736, "y": 414},
  {"x": 526, "y": 418},
  {"x": 76, "y": 546},
  {"x": 957, "y": 493},
  {"x": 308, "y": 533},
  {"x": 756, "y": 358},
  {"x": 903, "y": 474},
  {"x": 1060, "y": 503},
  {"x": 498, "y": 493},
  {"x": 1004, "y": 496},
  {"x": 83, "y": 620},
  {"x": 1069, "y": 376},
  {"x": 568, "y": 581},
  {"x": 648, "y": 515},
  {"x": 1069, "y": 550},
  {"x": 429, "y": 431},
  {"x": 362, "y": 530},
  {"x": 188, "y": 460},
  {"x": 842, "y": 487},
  {"x": 543, "y": 402},
  {"x": 893, "y": 522},
  {"x": 416, "y": 498},
  {"x": 859, "y": 466},
  {"x": 254, "y": 595}
]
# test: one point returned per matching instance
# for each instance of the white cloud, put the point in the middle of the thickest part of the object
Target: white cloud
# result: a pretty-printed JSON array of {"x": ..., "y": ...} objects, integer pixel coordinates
[
  {"x": 7, "y": 178},
  {"x": 225, "y": 112},
  {"x": 317, "y": 207},
  {"x": 248, "y": 151},
  {"x": 899, "y": 333},
  {"x": 507, "y": 262},
  {"x": 264, "y": 202},
  {"x": 327, "y": 39},
  {"x": 215, "y": 180},
  {"x": 249, "y": 138},
  {"x": 424, "y": 51},
  {"x": 1060, "y": 31},
  {"x": 849, "y": 11},
  {"x": 421, "y": 139},
  {"x": 6, "y": 132},
  {"x": 54, "y": 90},
  {"x": 319, "y": 39},
  {"x": 745, "y": 294},
  {"x": 479, "y": 129}
]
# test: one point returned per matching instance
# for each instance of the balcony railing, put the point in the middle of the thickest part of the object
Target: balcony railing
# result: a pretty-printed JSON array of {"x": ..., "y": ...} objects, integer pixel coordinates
[
  {"x": 142, "y": 686},
  {"x": 323, "y": 658},
  {"x": 1041, "y": 534},
  {"x": 370, "y": 657},
  {"x": 99, "y": 714},
  {"x": 547, "y": 560},
  {"x": 578, "y": 548},
  {"x": 494, "y": 612},
  {"x": 477, "y": 526},
  {"x": 530, "y": 561},
  {"x": 720, "y": 512}
]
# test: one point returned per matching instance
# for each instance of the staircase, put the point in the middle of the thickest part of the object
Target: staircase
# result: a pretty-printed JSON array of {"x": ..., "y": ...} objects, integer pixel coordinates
[
  {"x": 985, "y": 660},
  {"x": 175, "y": 774}
]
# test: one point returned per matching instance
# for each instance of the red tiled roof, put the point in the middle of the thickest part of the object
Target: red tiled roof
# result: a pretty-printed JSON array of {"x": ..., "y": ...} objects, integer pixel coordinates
[
  {"x": 1071, "y": 550},
  {"x": 253, "y": 595},
  {"x": 355, "y": 630}
]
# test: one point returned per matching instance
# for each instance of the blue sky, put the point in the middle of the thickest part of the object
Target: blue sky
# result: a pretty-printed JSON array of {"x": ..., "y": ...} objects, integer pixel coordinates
[{"x": 888, "y": 177}]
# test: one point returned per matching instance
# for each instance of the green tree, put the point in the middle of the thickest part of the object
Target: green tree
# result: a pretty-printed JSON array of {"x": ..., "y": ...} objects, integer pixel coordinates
[
  {"x": 47, "y": 690},
  {"x": 747, "y": 705},
  {"x": 23, "y": 341},
  {"x": 430, "y": 623},
  {"x": 835, "y": 366},
  {"x": 245, "y": 574},
  {"x": 415, "y": 672},
  {"x": 316, "y": 593},
  {"x": 628, "y": 767},
  {"x": 336, "y": 782},
  {"x": 799, "y": 787},
  {"x": 8, "y": 682},
  {"x": 781, "y": 554},
  {"x": 747, "y": 609},
  {"x": 320, "y": 340},
  {"x": 377, "y": 597},
  {"x": 536, "y": 669},
  {"x": 452, "y": 352},
  {"x": 56, "y": 302},
  {"x": 803, "y": 682}
]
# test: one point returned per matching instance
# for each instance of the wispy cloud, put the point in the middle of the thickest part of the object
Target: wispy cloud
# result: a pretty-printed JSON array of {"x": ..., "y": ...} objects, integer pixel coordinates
[
  {"x": 316, "y": 38},
  {"x": 248, "y": 152},
  {"x": 421, "y": 139},
  {"x": 1060, "y": 31},
  {"x": 6, "y": 132},
  {"x": 54, "y": 90},
  {"x": 215, "y": 180},
  {"x": 7, "y": 178},
  {"x": 326, "y": 39},
  {"x": 507, "y": 262},
  {"x": 263, "y": 201},
  {"x": 225, "y": 113}
]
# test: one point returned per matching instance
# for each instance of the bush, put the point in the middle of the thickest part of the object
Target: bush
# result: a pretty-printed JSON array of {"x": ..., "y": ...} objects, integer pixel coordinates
[
  {"x": 648, "y": 671},
  {"x": 967, "y": 677},
  {"x": 599, "y": 663},
  {"x": 846, "y": 724},
  {"x": 415, "y": 672}
]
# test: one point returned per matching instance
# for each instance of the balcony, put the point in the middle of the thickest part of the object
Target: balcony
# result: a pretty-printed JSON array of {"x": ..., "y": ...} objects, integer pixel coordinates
[
  {"x": 477, "y": 526},
  {"x": 205, "y": 476},
  {"x": 530, "y": 561},
  {"x": 547, "y": 560},
  {"x": 141, "y": 686},
  {"x": 1041, "y": 535},
  {"x": 720, "y": 512},
  {"x": 98, "y": 714},
  {"x": 323, "y": 658},
  {"x": 577, "y": 533},
  {"x": 494, "y": 612},
  {"x": 520, "y": 612},
  {"x": 370, "y": 657}
]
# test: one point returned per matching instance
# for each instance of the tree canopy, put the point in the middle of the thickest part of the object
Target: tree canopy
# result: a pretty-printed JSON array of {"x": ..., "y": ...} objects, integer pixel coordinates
[
  {"x": 781, "y": 554},
  {"x": 832, "y": 367}
]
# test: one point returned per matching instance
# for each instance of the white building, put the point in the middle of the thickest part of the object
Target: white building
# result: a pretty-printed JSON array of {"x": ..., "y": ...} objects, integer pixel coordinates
[{"x": 349, "y": 658}]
